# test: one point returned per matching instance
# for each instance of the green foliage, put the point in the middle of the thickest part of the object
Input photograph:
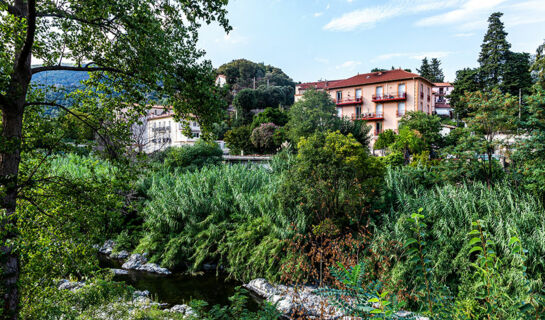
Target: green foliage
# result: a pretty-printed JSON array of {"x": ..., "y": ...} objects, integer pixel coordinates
[
  {"x": 358, "y": 129},
  {"x": 385, "y": 139},
  {"x": 238, "y": 140},
  {"x": 432, "y": 71},
  {"x": 494, "y": 52},
  {"x": 517, "y": 74},
  {"x": 332, "y": 178},
  {"x": 467, "y": 80},
  {"x": 539, "y": 65},
  {"x": 357, "y": 299},
  {"x": 241, "y": 74},
  {"x": 193, "y": 157},
  {"x": 316, "y": 112},
  {"x": 221, "y": 214},
  {"x": 270, "y": 115},
  {"x": 263, "y": 138},
  {"x": 426, "y": 126},
  {"x": 503, "y": 210}
]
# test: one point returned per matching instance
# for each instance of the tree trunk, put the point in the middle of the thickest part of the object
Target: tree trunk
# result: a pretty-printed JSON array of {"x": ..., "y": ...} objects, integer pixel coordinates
[
  {"x": 12, "y": 105},
  {"x": 12, "y": 121}
]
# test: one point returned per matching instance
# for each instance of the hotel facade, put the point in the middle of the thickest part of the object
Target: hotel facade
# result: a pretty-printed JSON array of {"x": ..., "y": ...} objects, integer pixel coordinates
[{"x": 379, "y": 98}]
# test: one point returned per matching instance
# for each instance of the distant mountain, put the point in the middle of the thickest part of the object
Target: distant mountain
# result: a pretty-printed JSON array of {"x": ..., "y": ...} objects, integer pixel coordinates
[{"x": 63, "y": 78}]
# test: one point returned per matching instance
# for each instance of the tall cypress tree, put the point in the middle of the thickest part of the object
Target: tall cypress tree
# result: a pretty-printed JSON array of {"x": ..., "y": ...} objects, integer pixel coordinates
[
  {"x": 517, "y": 74},
  {"x": 425, "y": 70},
  {"x": 494, "y": 52},
  {"x": 436, "y": 71}
]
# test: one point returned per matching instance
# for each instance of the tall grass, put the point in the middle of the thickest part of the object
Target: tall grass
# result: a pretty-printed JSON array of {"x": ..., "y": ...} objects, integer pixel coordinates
[
  {"x": 221, "y": 214},
  {"x": 450, "y": 209}
]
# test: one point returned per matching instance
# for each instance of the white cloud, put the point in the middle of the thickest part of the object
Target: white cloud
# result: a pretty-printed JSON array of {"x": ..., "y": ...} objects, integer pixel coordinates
[
  {"x": 368, "y": 17},
  {"x": 469, "y": 10},
  {"x": 318, "y": 14},
  {"x": 412, "y": 55},
  {"x": 348, "y": 65}
]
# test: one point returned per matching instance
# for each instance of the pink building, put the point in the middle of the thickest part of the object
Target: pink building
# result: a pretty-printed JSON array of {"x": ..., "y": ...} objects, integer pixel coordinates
[{"x": 382, "y": 98}]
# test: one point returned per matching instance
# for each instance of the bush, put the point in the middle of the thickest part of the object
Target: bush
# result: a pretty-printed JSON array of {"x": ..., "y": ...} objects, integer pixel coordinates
[
  {"x": 193, "y": 157},
  {"x": 238, "y": 140},
  {"x": 263, "y": 138}
]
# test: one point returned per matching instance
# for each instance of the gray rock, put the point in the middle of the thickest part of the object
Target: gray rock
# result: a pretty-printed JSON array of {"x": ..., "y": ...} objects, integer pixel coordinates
[
  {"x": 107, "y": 247},
  {"x": 70, "y": 285},
  {"x": 303, "y": 300},
  {"x": 139, "y": 262},
  {"x": 137, "y": 293},
  {"x": 186, "y": 310},
  {"x": 120, "y": 255},
  {"x": 119, "y": 272}
]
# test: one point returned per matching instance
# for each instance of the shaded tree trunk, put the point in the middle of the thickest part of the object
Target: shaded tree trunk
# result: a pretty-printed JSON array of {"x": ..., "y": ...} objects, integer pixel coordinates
[{"x": 12, "y": 105}]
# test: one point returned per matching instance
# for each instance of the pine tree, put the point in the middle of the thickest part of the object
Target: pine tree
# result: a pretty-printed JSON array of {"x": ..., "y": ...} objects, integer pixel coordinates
[
  {"x": 425, "y": 70},
  {"x": 517, "y": 74},
  {"x": 436, "y": 71},
  {"x": 539, "y": 65},
  {"x": 494, "y": 52}
]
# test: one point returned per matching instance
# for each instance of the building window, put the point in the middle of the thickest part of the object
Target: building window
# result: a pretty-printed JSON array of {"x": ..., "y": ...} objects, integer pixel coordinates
[
  {"x": 400, "y": 108},
  {"x": 379, "y": 92},
  {"x": 358, "y": 94},
  {"x": 379, "y": 109},
  {"x": 420, "y": 107},
  {"x": 358, "y": 112},
  {"x": 401, "y": 89},
  {"x": 339, "y": 96},
  {"x": 340, "y": 112},
  {"x": 378, "y": 129}
]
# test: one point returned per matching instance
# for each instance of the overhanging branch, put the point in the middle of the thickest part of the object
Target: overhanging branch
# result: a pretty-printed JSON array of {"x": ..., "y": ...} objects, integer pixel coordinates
[
  {"x": 85, "y": 122},
  {"x": 72, "y": 68}
]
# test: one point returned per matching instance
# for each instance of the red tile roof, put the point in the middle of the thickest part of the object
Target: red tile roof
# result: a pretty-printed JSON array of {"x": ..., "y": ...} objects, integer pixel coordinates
[
  {"x": 376, "y": 77},
  {"x": 443, "y": 84},
  {"x": 317, "y": 85}
]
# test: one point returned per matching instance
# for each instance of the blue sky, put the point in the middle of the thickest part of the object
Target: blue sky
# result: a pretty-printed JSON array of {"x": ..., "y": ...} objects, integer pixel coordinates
[{"x": 332, "y": 39}]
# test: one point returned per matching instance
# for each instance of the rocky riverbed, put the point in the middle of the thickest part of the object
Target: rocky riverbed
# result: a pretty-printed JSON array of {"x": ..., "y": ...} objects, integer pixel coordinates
[
  {"x": 303, "y": 301},
  {"x": 134, "y": 262}
]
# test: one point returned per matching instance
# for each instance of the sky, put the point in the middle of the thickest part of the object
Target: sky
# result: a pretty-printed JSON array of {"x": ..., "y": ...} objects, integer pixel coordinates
[{"x": 334, "y": 39}]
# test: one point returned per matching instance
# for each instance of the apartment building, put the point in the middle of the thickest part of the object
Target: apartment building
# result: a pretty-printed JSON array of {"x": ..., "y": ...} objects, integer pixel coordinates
[
  {"x": 382, "y": 98},
  {"x": 442, "y": 103}
]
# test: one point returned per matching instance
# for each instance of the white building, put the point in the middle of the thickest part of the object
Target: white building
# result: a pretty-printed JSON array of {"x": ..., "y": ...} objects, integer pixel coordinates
[
  {"x": 442, "y": 103},
  {"x": 164, "y": 131}
]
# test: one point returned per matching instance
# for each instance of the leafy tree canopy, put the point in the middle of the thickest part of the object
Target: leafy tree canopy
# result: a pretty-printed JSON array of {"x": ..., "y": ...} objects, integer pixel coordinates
[
  {"x": 241, "y": 74},
  {"x": 315, "y": 112}
]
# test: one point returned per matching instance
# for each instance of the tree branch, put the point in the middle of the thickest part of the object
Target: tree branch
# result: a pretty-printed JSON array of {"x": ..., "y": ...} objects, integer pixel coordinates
[
  {"x": 31, "y": 30},
  {"x": 52, "y": 104},
  {"x": 71, "y": 68}
]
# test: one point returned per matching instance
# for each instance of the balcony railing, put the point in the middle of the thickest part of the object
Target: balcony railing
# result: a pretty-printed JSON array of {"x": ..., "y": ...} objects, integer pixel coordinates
[
  {"x": 400, "y": 113},
  {"x": 167, "y": 128},
  {"x": 368, "y": 116},
  {"x": 390, "y": 97},
  {"x": 347, "y": 102}
]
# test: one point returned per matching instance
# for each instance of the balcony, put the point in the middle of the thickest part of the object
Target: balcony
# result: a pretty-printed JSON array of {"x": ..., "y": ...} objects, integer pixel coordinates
[
  {"x": 347, "y": 102},
  {"x": 390, "y": 97},
  {"x": 368, "y": 116},
  {"x": 167, "y": 128}
]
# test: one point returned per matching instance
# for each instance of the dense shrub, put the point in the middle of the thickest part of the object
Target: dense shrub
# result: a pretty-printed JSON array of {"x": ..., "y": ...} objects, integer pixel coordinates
[
  {"x": 263, "y": 138},
  {"x": 193, "y": 157},
  {"x": 450, "y": 211},
  {"x": 238, "y": 140},
  {"x": 223, "y": 214}
]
